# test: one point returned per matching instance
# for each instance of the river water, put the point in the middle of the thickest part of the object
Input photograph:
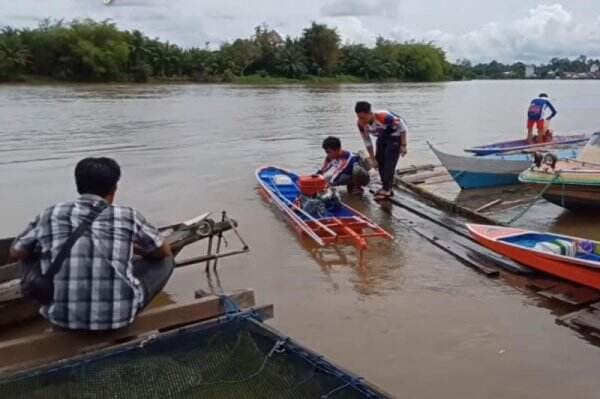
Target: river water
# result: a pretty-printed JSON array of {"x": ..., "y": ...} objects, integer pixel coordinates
[{"x": 412, "y": 320}]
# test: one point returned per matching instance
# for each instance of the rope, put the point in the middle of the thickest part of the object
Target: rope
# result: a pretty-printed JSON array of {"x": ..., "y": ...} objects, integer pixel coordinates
[{"x": 537, "y": 197}]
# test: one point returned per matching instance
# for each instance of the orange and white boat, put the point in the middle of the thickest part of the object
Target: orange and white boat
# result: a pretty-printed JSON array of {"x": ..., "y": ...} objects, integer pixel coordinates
[{"x": 572, "y": 258}]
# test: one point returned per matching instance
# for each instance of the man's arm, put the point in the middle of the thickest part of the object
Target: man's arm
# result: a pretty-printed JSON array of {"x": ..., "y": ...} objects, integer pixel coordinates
[
  {"x": 21, "y": 248},
  {"x": 148, "y": 242},
  {"x": 552, "y": 109},
  {"x": 161, "y": 252},
  {"x": 403, "y": 149},
  {"x": 403, "y": 129},
  {"x": 366, "y": 137}
]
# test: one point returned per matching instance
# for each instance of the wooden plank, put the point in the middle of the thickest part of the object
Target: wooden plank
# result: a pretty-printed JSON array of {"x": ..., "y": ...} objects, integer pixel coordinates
[
  {"x": 488, "y": 205},
  {"x": 264, "y": 312},
  {"x": 414, "y": 169},
  {"x": 59, "y": 343},
  {"x": 423, "y": 176},
  {"x": 9, "y": 271},
  {"x": 5, "y": 244},
  {"x": 17, "y": 311},
  {"x": 10, "y": 290},
  {"x": 541, "y": 283},
  {"x": 458, "y": 252},
  {"x": 589, "y": 319},
  {"x": 573, "y": 295},
  {"x": 446, "y": 204}
]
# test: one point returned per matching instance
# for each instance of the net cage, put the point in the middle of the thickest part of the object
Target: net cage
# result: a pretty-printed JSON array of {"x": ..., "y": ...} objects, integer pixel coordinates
[{"x": 236, "y": 357}]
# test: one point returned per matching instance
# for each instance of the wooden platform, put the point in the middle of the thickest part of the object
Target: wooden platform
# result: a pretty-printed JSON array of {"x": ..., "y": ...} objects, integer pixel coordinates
[
  {"x": 495, "y": 205},
  {"x": 577, "y": 307},
  {"x": 53, "y": 344}
]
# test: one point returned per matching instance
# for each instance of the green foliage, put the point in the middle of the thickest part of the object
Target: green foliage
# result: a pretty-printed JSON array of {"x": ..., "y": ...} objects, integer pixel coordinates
[
  {"x": 86, "y": 50},
  {"x": 322, "y": 47}
]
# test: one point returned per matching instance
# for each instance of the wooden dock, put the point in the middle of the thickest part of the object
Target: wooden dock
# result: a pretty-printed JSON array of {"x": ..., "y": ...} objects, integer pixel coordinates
[{"x": 431, "y": 186}]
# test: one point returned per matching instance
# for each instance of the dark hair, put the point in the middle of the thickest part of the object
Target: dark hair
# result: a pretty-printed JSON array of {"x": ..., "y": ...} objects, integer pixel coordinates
[
  {"x": 362, "y": 106},
  {"x": 543, "y": 95},
  {"x": 331, "y": 143},
  {"x": 97, "y": 176}
]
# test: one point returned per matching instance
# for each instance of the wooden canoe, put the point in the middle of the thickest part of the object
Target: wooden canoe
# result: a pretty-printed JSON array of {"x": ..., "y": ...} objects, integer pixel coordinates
[
  {"x": 519, "y": 145},
  {"x": 540, "y": 251}
]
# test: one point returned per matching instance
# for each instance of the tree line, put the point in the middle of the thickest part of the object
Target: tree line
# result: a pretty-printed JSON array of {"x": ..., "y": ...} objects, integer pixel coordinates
[
  {"x": 556, "y": 67},
  {"x": 87, "y": 50}
]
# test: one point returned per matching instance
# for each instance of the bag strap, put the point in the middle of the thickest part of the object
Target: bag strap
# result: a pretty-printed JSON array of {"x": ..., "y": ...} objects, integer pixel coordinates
[{"x": 68, "y": 245}]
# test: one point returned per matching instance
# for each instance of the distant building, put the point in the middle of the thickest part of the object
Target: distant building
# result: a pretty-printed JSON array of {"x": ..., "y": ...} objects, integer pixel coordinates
[
  {"x": 530, "y": 71},
  {"x": 594, "y": 69}
]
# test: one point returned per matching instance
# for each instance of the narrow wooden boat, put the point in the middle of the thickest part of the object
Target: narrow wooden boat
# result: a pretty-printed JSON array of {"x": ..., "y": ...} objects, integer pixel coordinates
[
  {"x": 572, "y": 258},
  {"x": 519, "y": 145},
  {"x": 492, "y": 170},
  {"x": 344, "y": 225},
  {"x": 572, "y": 183}
]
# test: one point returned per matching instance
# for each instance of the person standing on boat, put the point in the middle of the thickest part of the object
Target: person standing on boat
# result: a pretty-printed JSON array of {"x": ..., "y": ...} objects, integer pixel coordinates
[
  {"x": 539, "y": 114},
  {"x": 342, "y": 168},
  {"x": 390, "y": 130},
  {"x": 96, "y": 287}
]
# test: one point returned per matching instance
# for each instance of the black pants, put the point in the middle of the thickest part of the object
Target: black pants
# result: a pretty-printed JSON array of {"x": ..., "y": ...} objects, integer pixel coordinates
[
  {"x": 153, "y": 275},
  {"x": 387, "y": 154}
]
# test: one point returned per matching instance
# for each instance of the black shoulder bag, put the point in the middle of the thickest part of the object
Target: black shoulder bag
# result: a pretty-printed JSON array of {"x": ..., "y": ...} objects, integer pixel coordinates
[{"x": 40, "y": 286}]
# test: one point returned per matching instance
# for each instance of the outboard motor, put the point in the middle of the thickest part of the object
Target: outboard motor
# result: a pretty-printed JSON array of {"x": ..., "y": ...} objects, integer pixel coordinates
[{"x": 316, "y": 198}]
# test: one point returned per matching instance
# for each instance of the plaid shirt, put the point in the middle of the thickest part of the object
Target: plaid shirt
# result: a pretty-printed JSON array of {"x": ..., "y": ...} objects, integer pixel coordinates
[{"x": 95, "y": 288}]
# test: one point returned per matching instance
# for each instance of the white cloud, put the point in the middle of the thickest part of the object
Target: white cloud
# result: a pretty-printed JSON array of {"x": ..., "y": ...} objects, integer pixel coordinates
[
  {"x": 360, "y": 8},
  {"x": 352, "y": 30},
  {"x": 547, "y": 31},
  {"x": 508, "y": 33}
]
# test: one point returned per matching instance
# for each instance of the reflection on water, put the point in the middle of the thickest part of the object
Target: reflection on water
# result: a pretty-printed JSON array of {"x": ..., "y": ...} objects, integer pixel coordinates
[{"x": 410, "y": 314}]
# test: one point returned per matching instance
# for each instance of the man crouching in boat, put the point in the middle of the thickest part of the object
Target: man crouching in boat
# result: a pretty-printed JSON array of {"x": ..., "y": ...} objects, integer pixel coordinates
[
  {"x": 96, "y": 286},
  {"x": 342, "y": 168}
]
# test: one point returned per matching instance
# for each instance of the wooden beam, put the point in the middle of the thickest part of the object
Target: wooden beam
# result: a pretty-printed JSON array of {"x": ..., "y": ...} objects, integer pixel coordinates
[
  {"x": 488, "y": 205},
  {"x": 10, "y": 290},
  {"x": 422, "y": 177},
  {"x": 9, "y": 271},
  {"x": 17, "y": 311},
  {"x": 55, "y": 343},
  {"x": 265, "y": 312},
  {"x": 414, "y": 169}
]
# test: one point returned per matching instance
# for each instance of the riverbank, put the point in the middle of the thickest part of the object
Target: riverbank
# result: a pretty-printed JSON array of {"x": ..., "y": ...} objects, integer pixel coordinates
[{"x": 253, "y": 80}]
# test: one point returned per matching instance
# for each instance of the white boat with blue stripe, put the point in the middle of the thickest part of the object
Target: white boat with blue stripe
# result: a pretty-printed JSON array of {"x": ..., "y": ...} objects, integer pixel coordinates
[{"x": 472, "y": 172}]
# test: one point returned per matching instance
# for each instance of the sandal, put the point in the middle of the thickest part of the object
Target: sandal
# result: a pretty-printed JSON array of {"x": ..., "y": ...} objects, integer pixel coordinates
[{"x": 382, "y": 195}]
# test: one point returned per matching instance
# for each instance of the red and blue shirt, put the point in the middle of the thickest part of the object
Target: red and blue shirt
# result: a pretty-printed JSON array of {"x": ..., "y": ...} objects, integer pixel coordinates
[
  {"x": 334, "y": 168},
  {"x": 384, "y": 124},
  {"x": 539, "y": 109}
]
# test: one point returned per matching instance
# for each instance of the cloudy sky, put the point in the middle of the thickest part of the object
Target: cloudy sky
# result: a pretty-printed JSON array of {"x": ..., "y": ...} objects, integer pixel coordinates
[{"x": 506, "y": 30}]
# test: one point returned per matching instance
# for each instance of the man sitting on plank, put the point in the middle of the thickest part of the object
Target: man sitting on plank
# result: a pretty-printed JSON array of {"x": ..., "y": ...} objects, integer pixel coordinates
[{"x": 97, "y": 286}]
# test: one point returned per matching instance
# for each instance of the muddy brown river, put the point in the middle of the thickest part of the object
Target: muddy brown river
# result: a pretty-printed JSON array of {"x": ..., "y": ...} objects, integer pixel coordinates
[{"x": 412, "y": 319}]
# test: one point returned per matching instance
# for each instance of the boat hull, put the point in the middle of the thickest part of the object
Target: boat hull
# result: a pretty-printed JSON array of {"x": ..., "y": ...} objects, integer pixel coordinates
[
  {"x": 471, "y": 172},
  {"x": 547, "y": 263},
  {"x": 473, "y": 180},
  {"x": 572, "y": 184}
]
